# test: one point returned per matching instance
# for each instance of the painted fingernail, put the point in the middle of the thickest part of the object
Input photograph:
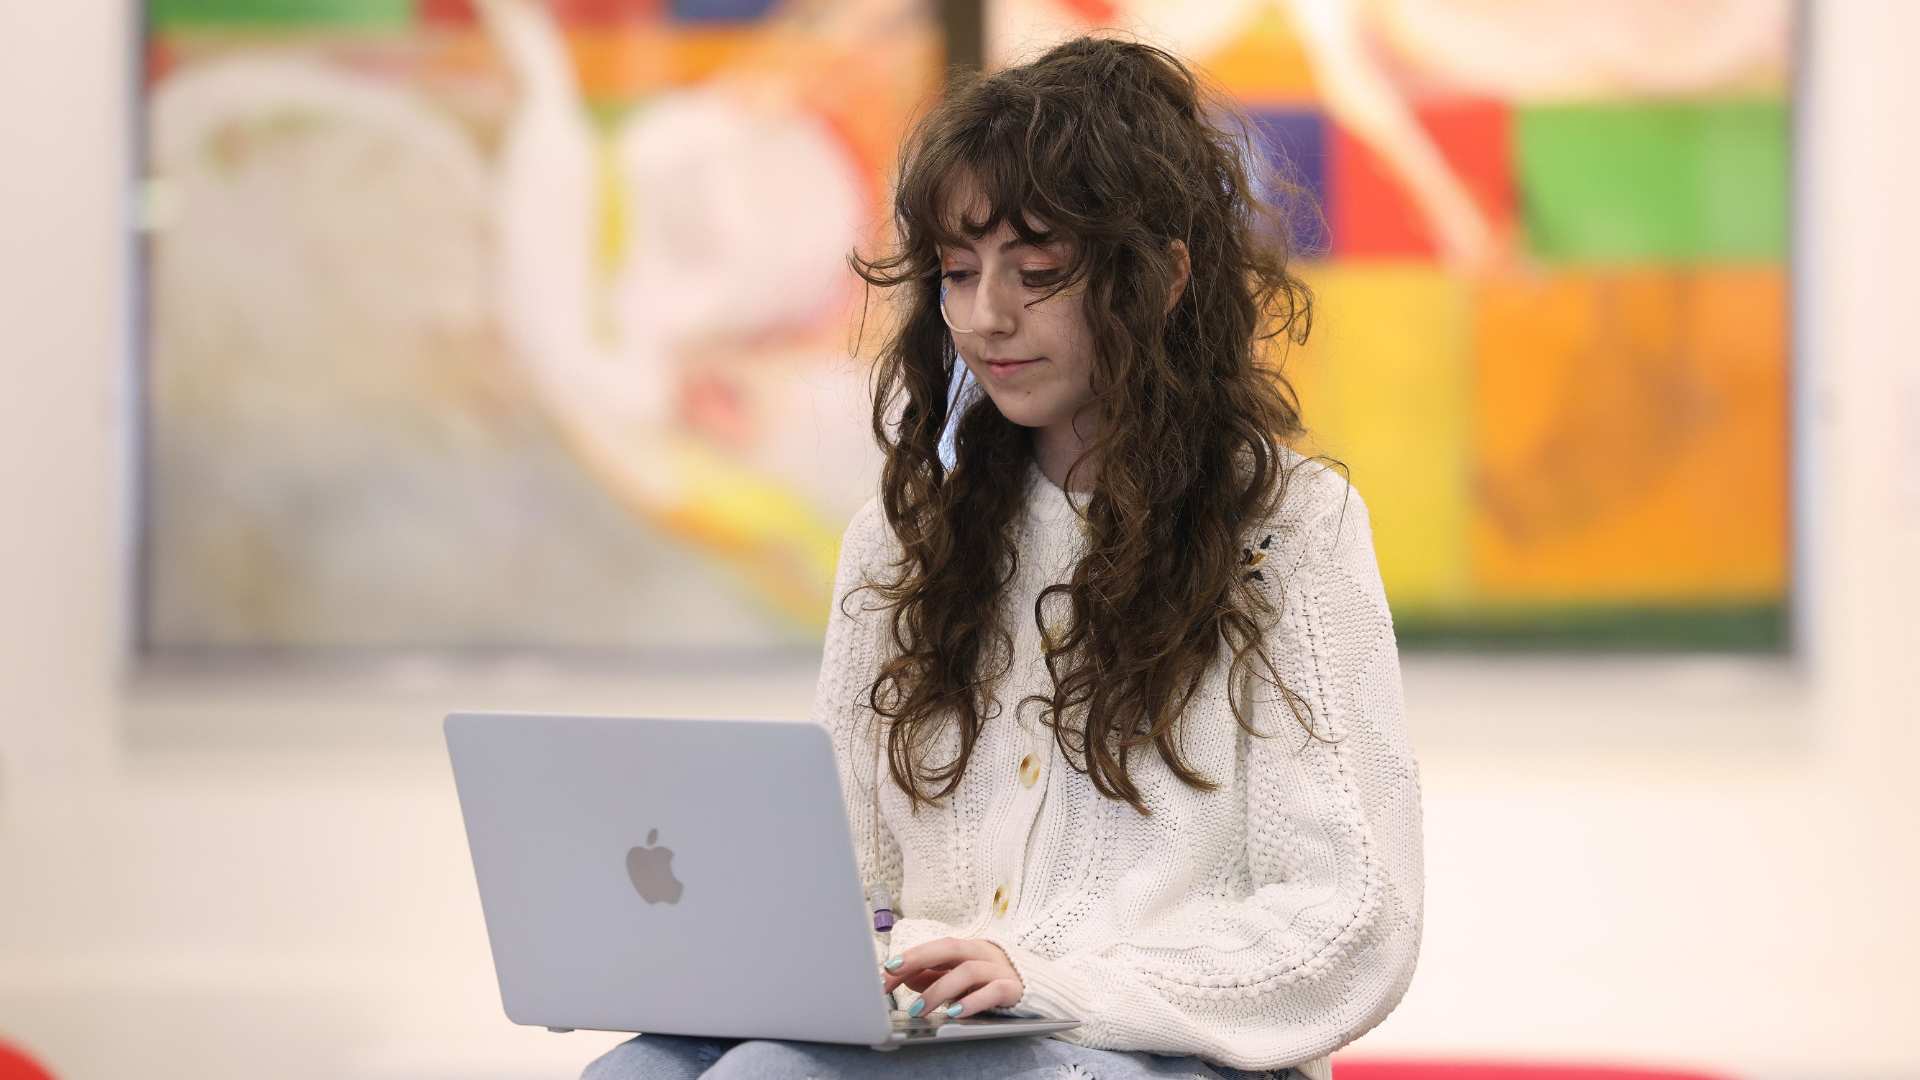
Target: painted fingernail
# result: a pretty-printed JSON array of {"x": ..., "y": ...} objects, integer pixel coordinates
[
  {"x": 918, "y": 1004},
  {"x": 894, "y": 962},
  {"x": 955, "y": 1009}
]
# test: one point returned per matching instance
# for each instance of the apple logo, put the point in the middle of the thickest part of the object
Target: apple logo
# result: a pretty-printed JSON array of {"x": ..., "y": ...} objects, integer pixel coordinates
[{"x": 651, "y": 869}]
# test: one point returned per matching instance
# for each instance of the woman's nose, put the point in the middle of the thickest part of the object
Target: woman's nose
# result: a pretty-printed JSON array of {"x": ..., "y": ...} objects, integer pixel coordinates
[{"x": 994, "y": 309}]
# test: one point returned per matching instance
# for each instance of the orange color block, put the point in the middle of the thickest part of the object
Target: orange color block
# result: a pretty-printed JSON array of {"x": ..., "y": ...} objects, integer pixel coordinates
[
  {"x": 634, "y": 60},
  {"x": 1632, "y": 438},
  {"x": 1266, "y": 64}
]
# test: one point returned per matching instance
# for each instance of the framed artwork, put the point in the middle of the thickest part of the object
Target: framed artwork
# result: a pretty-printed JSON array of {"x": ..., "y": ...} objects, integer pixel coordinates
[{"x": 483, "y": 326}]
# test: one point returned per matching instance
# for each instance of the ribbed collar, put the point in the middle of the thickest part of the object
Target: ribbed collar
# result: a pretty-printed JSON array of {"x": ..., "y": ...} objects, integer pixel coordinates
[{"x": 1049, "y": 507}]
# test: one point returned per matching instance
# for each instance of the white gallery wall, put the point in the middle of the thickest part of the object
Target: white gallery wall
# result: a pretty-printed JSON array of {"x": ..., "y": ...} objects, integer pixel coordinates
[{"x": 1706, "y": 862}]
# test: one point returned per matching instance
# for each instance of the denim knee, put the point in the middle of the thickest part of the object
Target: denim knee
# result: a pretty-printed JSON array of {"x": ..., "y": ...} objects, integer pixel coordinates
[
  {"x": 656, "y": 1057},
  {"x": 769, "y": 1059}
]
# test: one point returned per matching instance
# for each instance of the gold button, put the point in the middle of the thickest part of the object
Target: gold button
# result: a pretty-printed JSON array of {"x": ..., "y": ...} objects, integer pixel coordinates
[
  {"x": 1029, "y": 770},
  {"x": 1000, "y": 901}
]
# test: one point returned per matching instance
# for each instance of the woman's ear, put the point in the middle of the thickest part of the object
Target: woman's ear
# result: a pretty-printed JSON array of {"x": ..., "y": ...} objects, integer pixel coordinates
[{"x": 1182, "y": 271}]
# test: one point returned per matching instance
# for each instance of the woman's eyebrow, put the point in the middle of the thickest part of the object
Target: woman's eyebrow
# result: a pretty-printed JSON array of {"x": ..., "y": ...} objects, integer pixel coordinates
[{"x": 1007, "y": 245}]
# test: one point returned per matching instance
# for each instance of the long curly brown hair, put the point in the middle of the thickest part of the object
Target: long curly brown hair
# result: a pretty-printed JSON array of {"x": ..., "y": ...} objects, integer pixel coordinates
[{"x": 1116, "y": 148}]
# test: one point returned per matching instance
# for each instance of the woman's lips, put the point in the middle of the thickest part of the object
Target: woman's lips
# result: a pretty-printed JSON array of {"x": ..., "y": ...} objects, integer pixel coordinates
[{"x": 1001, "y": 368}]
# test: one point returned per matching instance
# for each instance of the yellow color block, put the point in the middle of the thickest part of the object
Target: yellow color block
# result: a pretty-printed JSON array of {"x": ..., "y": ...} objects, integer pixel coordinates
[{"x": 1383, "y": 388}]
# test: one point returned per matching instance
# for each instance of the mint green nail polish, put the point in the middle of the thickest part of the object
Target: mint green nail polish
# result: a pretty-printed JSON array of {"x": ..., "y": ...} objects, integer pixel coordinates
[
  {"x": 954, "y": 1009},
  {"x": 918, "y": 1004},
  {"x": 894, "y": 962}
]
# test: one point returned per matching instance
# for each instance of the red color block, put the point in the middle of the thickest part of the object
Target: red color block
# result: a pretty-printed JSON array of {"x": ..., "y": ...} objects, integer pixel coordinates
[
  {"x": 160, "y": 60},
  {"x": 1373, "y": 216},
  {"x": 1093, "y": 12},
  {"x": 581, "y": 13},
  {"x": 600, "y": 13},
  {"x": 445, "y": 12}
]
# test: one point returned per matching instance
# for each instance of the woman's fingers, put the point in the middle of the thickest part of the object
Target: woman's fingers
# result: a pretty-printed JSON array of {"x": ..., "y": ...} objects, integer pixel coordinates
[
  {"x": 971, "y": 972},
  {"x": 919, "y": 980},
  {"x": 964, "y": 979},
  {"x": 973, "y": 986},
  {"x": 922, "y": 964},
  {"x": 997, "y": 994},
  {"x": 941, "y": 953}
]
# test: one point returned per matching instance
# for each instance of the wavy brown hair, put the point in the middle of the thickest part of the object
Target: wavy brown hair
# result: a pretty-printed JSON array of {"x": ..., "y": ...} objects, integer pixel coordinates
[{"x": 1115, "y": 147}]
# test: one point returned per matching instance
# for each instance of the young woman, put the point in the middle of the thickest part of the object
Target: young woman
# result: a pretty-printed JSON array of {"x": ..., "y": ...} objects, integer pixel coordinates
[{"x": 1113, "y": 682}]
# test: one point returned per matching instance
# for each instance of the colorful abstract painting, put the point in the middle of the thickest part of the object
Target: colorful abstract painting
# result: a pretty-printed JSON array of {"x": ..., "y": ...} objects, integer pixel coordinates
[
  {"x": 1550, "y": 258},
  {"x": 485, "y": 325}
]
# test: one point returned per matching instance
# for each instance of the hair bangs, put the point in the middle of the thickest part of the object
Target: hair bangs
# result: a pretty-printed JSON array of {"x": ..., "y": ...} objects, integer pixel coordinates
[{"x": 973, "y": 196}]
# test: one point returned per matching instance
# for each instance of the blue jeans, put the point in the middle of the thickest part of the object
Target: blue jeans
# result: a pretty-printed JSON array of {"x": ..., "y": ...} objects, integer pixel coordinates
[{"x": 686, "y": 1057}]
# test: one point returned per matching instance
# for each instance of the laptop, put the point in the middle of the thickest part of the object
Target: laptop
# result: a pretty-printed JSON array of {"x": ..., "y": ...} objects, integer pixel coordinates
[{"x": 686, "y": 877}]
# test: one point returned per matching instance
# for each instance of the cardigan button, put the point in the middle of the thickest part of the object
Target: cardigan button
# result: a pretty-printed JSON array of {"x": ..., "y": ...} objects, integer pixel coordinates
[
  {"x": 1029, "y": 771},
  {"x": 1000, "y": 900}
]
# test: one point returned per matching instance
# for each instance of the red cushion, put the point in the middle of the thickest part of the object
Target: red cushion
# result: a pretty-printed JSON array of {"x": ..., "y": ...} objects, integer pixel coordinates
[
  {"x": 1385, "y": 1069},
  {"x": 16, "y": 1065}
]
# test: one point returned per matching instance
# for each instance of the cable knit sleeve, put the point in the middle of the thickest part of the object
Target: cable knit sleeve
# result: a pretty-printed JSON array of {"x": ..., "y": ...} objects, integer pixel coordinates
[
  {"x": 1324, "y": 946},
  {"x": 849, "y": 660}
]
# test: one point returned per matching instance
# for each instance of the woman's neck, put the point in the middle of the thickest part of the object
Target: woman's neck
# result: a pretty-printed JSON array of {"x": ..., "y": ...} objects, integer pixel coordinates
[{"x": 1055, "y": 449}]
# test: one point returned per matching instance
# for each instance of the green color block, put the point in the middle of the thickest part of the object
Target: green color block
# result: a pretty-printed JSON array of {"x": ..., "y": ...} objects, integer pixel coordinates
[
  {"x": 1749, "y": 628},
  {"x": 1668, "y": 182},
  {"x": 263, "y": 14}
]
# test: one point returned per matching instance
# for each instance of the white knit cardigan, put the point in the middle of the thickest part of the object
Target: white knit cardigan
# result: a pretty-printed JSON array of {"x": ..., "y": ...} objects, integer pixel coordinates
[{"x": 1260, "y": 925}]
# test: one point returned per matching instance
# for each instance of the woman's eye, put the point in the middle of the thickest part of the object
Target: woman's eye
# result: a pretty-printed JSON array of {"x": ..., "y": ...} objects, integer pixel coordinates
[
  {"x": 955, "y": 276},
  {"x": 1040, "y": 279}
]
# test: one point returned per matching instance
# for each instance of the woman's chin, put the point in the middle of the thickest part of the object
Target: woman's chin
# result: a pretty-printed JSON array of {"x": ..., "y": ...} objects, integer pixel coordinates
[{"x": 1024, "y": 413}]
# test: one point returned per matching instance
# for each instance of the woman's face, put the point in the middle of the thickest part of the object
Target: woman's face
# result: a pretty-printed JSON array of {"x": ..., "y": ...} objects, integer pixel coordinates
[{"x": 1032, "y": 356}]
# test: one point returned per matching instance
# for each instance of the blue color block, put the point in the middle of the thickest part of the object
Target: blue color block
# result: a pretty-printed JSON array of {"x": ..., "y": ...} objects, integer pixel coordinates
[
  {"x": 1296, "y": 144},
  {"x": 719, "y": 10}
]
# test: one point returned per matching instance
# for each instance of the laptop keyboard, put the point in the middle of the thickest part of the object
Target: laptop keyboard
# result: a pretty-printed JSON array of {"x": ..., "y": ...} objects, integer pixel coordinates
[
  {"x": 913, "y": 1024},
  {"x": 925, "y": 1027}
]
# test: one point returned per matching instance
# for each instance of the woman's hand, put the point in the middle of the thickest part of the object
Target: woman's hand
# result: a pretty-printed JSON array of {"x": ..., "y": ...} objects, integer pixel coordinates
[{"x": 961, "y": 976}]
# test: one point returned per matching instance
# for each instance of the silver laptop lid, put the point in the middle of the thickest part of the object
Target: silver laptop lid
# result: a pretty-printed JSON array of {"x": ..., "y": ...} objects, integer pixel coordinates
[{"x": 675, "y": 876}]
